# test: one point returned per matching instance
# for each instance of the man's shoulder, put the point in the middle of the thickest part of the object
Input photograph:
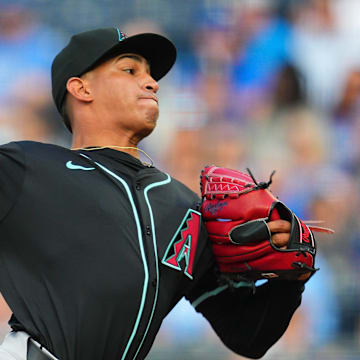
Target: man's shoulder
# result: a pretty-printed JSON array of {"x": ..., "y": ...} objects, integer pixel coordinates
[
  {"x": 185, "y": 190},
  {"x": 28, "y": 145},
  {"x": 33, "y": 147},
  {"x": 32, "y": 152}
]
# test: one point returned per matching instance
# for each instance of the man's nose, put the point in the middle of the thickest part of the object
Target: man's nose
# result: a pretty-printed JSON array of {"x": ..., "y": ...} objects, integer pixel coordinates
[{"x": 151, "y": 85}]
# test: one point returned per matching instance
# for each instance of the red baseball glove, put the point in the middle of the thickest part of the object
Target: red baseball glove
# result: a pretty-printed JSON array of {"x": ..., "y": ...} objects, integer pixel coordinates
[{"x": 236, "y": 210}]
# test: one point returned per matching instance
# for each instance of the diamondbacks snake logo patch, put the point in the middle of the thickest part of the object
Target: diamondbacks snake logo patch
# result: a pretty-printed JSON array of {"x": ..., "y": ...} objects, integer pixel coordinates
[{"x": 180, "y": 253}]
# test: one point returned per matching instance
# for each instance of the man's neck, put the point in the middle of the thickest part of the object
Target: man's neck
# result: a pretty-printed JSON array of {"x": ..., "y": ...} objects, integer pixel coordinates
[{"x": 105, "y": 139}]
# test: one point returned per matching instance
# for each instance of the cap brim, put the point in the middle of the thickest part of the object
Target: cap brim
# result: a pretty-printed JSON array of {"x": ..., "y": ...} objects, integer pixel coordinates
[{"x": 156, "y": 49}]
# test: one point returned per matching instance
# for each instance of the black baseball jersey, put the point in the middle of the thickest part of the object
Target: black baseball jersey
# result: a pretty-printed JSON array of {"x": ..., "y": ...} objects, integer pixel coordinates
[{"x": 96, "y": 248}]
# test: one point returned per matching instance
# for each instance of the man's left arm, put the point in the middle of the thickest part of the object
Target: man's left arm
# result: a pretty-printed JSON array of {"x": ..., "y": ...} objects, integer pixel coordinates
[{"x": 248, "y": 320}]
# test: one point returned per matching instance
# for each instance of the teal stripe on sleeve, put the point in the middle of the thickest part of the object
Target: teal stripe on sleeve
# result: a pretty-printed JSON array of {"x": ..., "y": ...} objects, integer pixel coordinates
[{"x": 218, "y": 290}]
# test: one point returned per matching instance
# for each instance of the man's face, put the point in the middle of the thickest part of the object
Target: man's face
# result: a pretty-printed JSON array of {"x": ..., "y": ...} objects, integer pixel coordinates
[{"x": 124, "y": 93}]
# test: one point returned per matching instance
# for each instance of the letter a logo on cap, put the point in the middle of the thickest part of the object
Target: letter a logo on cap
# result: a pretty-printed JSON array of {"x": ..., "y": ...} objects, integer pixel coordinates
[{"x": 122, "y": 36}]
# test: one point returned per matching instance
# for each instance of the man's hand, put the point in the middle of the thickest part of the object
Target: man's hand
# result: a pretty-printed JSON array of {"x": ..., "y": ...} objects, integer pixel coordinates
[
  {"x": 280, "y": 232},
  {"x": 280, "y": 236}
]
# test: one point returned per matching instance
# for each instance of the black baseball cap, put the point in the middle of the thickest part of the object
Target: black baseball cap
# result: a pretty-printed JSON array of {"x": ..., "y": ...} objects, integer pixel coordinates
[{"x": 88, "y": 49}]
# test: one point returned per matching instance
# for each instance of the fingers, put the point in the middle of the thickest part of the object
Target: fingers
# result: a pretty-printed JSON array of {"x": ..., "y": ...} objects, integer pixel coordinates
[
  {"x": 280, "y": 239},
  {"x": 280, "y": 230},
  {"x": 279, "y": 226},
  {"x": 304, "y": 276}
]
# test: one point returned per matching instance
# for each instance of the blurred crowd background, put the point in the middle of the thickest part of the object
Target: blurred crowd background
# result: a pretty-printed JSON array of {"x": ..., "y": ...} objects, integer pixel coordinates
[{"x": 263, "y": 84}]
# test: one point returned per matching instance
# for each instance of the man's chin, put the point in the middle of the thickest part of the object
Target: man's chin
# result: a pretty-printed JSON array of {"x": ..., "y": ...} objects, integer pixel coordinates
[{"x": 151, "y": 117}]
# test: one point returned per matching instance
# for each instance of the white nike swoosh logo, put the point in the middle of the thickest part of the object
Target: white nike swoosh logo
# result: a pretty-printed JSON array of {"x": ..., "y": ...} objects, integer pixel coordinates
[{"x": 72, "y": 166}]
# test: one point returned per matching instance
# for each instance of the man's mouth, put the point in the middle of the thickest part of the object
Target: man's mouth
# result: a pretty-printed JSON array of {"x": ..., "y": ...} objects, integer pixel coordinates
[{"x": 149, "y": 97}]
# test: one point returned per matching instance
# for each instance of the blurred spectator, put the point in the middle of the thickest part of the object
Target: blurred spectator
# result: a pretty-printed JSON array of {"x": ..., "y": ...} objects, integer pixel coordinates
[
  {"x": 288, "y": 88},
  {"x": 315, "y": 323},
  {"x": 291, "y": 138},
  {"x": 346, "y": 152},
  {"x": 320, "y": 50},
  {"x": 336, "y": 201},
  {"x": 262, "y": 49},
  {"x": 27, "y": 50}
]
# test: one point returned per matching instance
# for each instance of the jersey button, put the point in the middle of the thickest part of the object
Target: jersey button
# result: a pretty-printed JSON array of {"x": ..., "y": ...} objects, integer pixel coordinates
[
  {"x": 137, "y": 186},
  {"x": 148, "y": 230}
]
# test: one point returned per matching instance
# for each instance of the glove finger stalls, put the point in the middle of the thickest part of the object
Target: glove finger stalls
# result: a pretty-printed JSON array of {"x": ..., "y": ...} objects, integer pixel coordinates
[
  {"x": 235, "y": 253},
  {"x": 250, "y": 232}
]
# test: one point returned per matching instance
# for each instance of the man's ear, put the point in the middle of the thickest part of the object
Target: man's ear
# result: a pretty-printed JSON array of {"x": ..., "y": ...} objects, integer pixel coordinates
[{"x": 79, "y": 88}]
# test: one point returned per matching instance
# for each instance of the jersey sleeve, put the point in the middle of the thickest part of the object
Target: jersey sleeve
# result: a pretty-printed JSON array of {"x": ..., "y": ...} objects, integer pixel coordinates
[
  {"x": 248, "y": 320},
  {"x": 12, "y": 174}
]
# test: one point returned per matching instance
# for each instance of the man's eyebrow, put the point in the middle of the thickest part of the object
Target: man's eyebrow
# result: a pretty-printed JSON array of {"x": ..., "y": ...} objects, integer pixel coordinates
[{"x": 134, "y": 57}]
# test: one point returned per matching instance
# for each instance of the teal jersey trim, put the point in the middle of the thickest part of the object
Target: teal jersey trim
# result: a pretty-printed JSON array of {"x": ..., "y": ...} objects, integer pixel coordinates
[
  {"x": 218, "y": 290},
  {"x": 208, "y": 294},
  {"x": 146, "y": 279},
  {"x": 147, "y": 188}
]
